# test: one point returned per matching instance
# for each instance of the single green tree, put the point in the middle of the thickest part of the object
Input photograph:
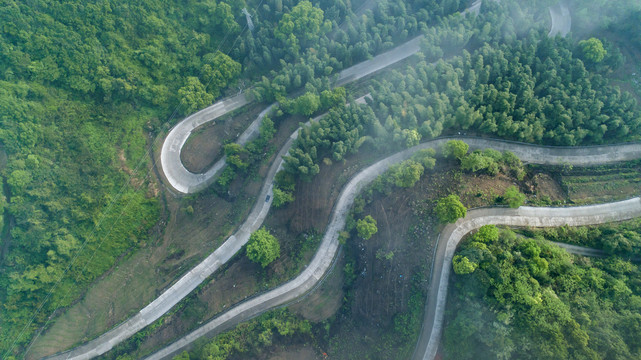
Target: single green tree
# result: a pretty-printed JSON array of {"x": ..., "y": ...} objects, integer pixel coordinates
[
  {"x": 285, "y": 180},
  {"x": 331, "y": 98},
  {"x": 282, "y": 197},
  {"x": 475, "y": 162},
  {"x": 366, "y": 227},
  {"x": 263, "y": 247},
  {"x": 449, "y": 209},
  {"x": 408, "y": 173},
  {"x": 455, "y": 149},
  {"x": 426, "y": 158},
  {"x": 183, "y": 356},
  {"x": 267, "y": 129},
  {"x": 462, "y": 265},
  {"x": 487, "y": 234},
  {"x": 593, "y": 50},
  {"x": 236, "y": 156},
  {"x": 513, "y": 197},
  {"x": 305, "y": 104}
]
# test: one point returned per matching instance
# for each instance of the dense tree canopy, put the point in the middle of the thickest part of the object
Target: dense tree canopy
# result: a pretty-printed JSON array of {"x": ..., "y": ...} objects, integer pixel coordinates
[
  {"x": 80, "y": 83},
  {"x": 622, "y": 239},
  {"x": 194, "y": 96},
  {"x": 519, "y": 298},
  {"x": 80, "y": 86},
  {"x": 304, "y": 23}
]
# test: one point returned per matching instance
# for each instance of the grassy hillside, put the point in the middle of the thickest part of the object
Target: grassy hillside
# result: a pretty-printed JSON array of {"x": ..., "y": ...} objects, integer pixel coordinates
[{"x": 81, "y": 87}]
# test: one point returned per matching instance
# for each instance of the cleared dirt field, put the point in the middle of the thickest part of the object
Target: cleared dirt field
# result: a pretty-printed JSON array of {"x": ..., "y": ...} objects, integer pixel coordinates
[
  {"x": 402, "y": 248},
  {"x": 296, "y": 352},
  {"x": 205, "y": 146}
]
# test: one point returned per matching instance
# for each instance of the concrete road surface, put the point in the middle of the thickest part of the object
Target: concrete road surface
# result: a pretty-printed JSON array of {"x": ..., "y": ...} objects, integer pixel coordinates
[
  {"x": 187, "y": 182},
  {"x": 561, "y": 20},
  {"x": 380, "y": 61},
  {"x": 172, "y": 167},
  {"x": 323, "y": 259}
]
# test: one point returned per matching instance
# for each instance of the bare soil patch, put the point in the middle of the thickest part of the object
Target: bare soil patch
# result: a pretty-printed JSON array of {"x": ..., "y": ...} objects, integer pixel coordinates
[
  {"x": 383, "y": 284},
  {"x": 407, "y": 228},
  {"x": 601, "y": 184},
  {"x": 478, "y": 190},
  {"x": 297, "y": 352},
  {"x": 205, "y": 146},
  {"x": 323, "y": 302},
  {"x": 547, "y": 186}
]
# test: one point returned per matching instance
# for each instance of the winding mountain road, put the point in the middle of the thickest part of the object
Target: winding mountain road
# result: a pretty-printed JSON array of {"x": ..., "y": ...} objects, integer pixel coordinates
[
  {"x": 186, "y": 182},
  {"x": 323, "y": 259}
]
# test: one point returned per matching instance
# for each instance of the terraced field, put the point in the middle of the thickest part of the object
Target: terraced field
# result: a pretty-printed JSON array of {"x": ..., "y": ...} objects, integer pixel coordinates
[{"x": 588, "y": 185}]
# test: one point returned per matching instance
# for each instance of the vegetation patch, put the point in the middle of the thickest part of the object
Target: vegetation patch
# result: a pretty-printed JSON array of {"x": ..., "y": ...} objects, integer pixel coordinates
[{"x": 524, "y": 298}]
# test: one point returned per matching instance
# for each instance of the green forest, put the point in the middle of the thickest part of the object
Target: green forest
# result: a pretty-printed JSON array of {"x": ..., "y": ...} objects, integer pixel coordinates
[
  {"x": 250, "y": 337},
  {"x": 526, "y": 298},
  {"x": 524, "y": 87},
  {"x": 84, "y": 88},
  {"x": 622, "y": 240},
  {"x": 87, "y": 88}
]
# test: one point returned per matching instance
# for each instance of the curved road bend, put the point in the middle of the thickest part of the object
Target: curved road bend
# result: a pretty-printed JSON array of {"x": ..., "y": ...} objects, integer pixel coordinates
[
  {"x": 523, "y": 216},
  {"x": 329, "y": 245},
  {"x": 187, "y": 182},
  {"x": 190, "y": 280},
  {"x": 175, "y": 172},
  {"x": 561, "y": 20}
]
